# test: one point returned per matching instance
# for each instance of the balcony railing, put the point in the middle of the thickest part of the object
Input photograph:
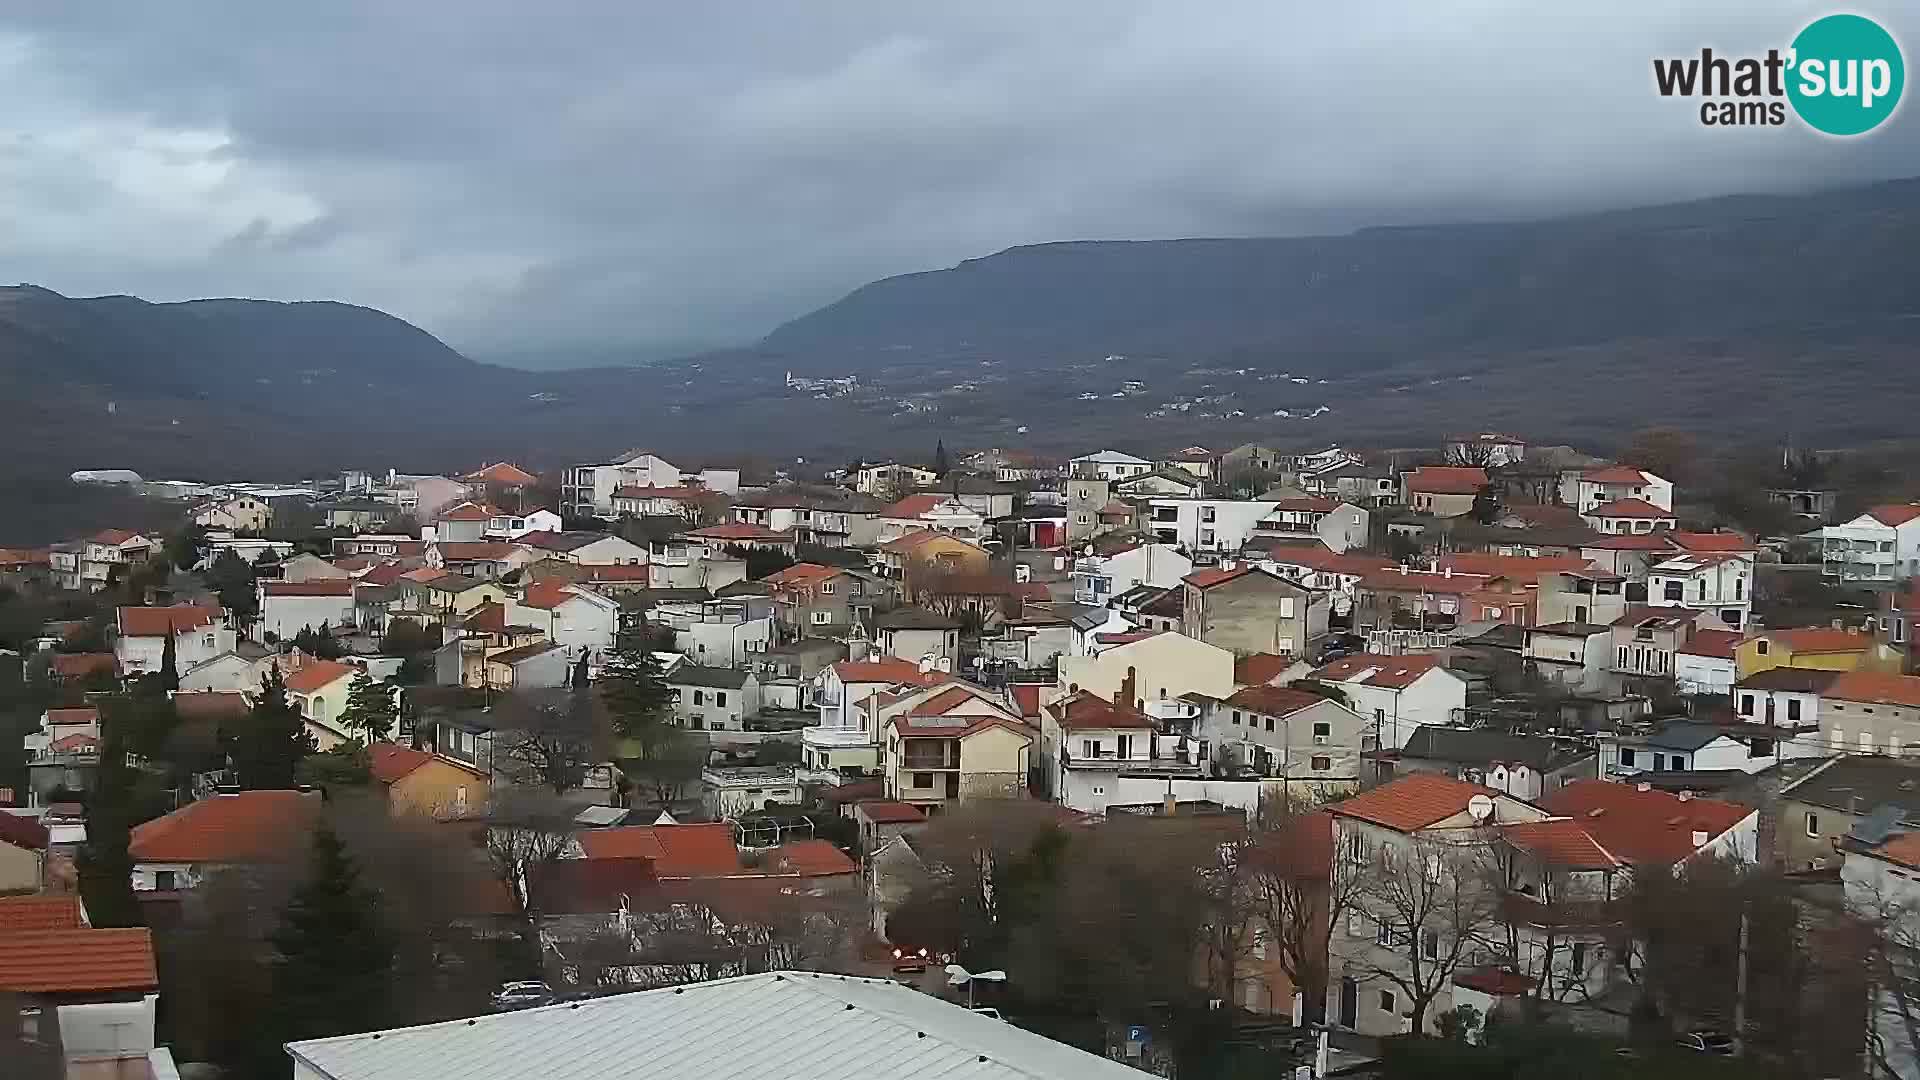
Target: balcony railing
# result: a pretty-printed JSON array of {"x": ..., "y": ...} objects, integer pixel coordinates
[
  {"x": 930, "y": 762},
  {"x": 835, "y": 737}
]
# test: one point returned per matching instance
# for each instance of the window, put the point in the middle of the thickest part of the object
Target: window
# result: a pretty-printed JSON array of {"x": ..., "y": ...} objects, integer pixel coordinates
[
  {"x": 1675, "y": 591},
  {"x": 1322, "y": 763},
  {"x": 1236, "y": 716},
  {"x": 1089, "y": 747},
  {"x": 1659, "y": 762},
  {"x": 1322, "y": 730},
  {"x": 1746, "y": 704},
  {"x": 720, "y": 698},
  {"x": 1626, "y": 755},
  {"x": 822, "y": 618},
  {"x": 1579, "y": 958},
  {"x": 1760, "y": 647},
  {"x": 1866, "y": 742},
  {"x": 163, "y": 879},
  {"x": 923, "y": 779},
  {"x": 1813, "y": 824},
  {"x": 826, "y": 588},
  {"x": 1386, "y": 1001},
  {"x": 1269, "y": 723},
  {"x": 1207, "y": 513},
  {"x": 1286, "y": 607},
  {"x": 1383, "y": 935},
  {"x": 699, "y": 697},
  {"x": 1793, "y": 710},
  {"x": 1430, "y": 944}
]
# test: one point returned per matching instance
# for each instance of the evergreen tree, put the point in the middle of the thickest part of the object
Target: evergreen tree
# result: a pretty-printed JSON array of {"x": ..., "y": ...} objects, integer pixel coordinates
[
  {"x": 169, "y": 676},
  {"x": 635, "y": 691},
  {"x": 940, "y": 463},
  {"x": 269, "y": 750},
  {"x": 335, "y": 956},
  {"x": 104, "y": 866},
  {"x": 232, "y": 577},
  {"x": 369, "y": 713}
]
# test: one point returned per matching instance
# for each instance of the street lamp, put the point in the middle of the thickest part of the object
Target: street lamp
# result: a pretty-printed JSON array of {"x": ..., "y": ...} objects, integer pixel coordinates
[{"x": 959, "y": 976}]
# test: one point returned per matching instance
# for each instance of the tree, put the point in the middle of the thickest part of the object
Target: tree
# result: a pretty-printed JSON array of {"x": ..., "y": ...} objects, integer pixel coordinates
[
  {"x": 634, "y": 690},
  {"x": 183, "y": 546},
  {"x": 550, "y": 742},
  {"x": 345, "y": 766},
  {"x": 334, "y": 956},
  {"x": 1486, "y": 506},
  {"x": 168, "y": 677},
  {"x": 369, "y": 713},
  {"x": 105, "y": 868},
  {"x": 267, "y": 753},
  {"x": 1471, "y": 453},
  {"x": 1668, "y": 453},
  {"x": 232, "y": 577},
  {"x": 524, "y": 832},
  {"x": 1431, "y": 905},
  {"x": 1301, "y": 892},
  {"x": 673, "y": 761},
  {"x": 941, "y": 466},
  {"x": 319, "y": 642}
]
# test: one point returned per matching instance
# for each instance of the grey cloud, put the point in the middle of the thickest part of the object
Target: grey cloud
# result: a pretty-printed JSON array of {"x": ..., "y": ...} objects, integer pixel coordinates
[{"x": 600, "y": 174}]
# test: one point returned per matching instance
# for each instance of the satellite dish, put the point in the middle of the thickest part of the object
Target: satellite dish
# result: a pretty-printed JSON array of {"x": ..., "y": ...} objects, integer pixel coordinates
[{"x": 1480, "y": 808}]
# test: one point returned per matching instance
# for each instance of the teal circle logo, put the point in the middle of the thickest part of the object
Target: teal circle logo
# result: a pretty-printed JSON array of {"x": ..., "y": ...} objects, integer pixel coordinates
[{"x": 1847, "y": 75}]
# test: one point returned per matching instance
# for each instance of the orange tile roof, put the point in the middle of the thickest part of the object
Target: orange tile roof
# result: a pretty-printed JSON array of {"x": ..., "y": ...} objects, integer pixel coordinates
[
  {"x": 1629, "y": 508},
  {"x": 87, "y": 715},
  {"x": 802, "y": 574},
  {"x": 1903, "y": 849},
  {"x": 383, "y": 574},
  {"x": 1390, "y": 672},
  {"x": 885, "y": 812},
  {"x": 489, "y": 617},
  {"x": 944, "y": 702},
  {"x": 547, "y": 594},
  {"x": 319, "y": 587},
  {"x": 1446, "y": 480},
  {"x": 1259, "y": 668},
  {"x": 1411, "y": 802},
  {"x": 1876, "y": 687},
  {"x": 1894, "y": 513},
  {"x": 888, "y": 671},
  {"x": 811, "y": 858},
  {"x": 1312, "y": 504},
  {"x": 77, "y": 961},
  {"x": 1563, "y": 842},
  {"x": 115, "y": 537},
  {"x": 390, "y": 761},
  {"x": 1525, "y": 567},
  {"x": 1273, "y": 700},
  {"x": 1026, "y": 696},
  {"x": 466, "y": 511},
  {"x": 913, "y": 506},
  {"x": 39, "y": 912},
  {"x": 251, "y": 826},
  {"x": 503, "y": 473},
  {"x": 315, "y": 674},
  {"x": 1208, "y": 578},
  {"x": 676, "y": 851},
  {"x": 23, "y": 832},
  {"x": 1088, "y": 711},
  {"x": 160, "y": 621},
  {"x": 1821, "y": 639},
  {"x": 79, "y": 665},
  {"x": 1718, "y": 644},
  {"x": 1642, "y": 826},
  {"x": 1699, "y": 542}
]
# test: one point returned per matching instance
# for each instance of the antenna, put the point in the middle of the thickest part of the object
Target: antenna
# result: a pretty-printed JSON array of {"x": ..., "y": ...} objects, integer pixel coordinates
[{"x": 1480, "y": 808}]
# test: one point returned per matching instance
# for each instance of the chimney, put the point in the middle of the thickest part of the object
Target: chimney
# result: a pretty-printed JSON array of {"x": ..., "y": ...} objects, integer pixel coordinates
[
  {"x": 1643, "y": 786},
  {"x": 1837, "y": 625},
  {"x": 1448, "y": 572},
  {"x": 1686, "y": 796},
  {"x": 1125, "y": 697},
  {"x": 1403, "y": 569},
  {"x": 1168, "y": 805},
  {"x": 1700, "y": 838}
]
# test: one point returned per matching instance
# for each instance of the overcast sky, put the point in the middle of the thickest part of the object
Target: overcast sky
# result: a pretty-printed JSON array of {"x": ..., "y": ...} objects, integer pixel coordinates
[{"x": 546, "y": 177}]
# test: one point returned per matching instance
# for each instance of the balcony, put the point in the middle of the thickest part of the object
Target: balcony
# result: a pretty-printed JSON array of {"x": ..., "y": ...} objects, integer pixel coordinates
[
  {"x": 930, "y": 762},
  {"x": 835, "y": 738}
]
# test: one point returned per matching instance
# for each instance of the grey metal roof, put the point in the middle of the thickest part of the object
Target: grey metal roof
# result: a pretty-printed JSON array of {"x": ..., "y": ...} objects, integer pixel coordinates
[
  {"x": 1680, "y": 735},
  {"x": 1478, "y": 746},
  {"x": 772, "y": 1026},
  {"x": 1860, "y": 784},
  {"x": 717, "y": 677},
  {"x": 1789, "y": 680}
]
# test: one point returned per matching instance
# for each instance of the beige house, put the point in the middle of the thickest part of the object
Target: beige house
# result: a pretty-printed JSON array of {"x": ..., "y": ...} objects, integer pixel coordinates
[
  {"x": 421, "y": 783},
  {"x": 954, "y": 744},
  {"x": 1162, "y": 666},
  {"x": 241, "y": 513},
  {"x": 1251, "y": 610},
  {"x": 1442, "y": 491},
  {"x": 23, "y": 854}
]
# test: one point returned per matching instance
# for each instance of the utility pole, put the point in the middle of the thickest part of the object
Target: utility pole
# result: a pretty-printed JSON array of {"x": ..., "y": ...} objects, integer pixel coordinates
[{"x": 1740, "y": 987}]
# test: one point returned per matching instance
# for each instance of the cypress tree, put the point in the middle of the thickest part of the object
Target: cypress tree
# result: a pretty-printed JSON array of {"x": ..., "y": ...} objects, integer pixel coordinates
[
  {"x": 334, "y": 954},
  {"x": 276, "y": 738}
]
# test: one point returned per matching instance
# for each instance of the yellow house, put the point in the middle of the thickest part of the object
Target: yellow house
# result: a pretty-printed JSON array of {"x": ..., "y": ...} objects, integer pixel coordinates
[
  {"x": 952, "y": 744},
  {"x": 1814, "y": 648},
  {"x": 420, "y": 783},
  {"x": 925, "y": 552}
]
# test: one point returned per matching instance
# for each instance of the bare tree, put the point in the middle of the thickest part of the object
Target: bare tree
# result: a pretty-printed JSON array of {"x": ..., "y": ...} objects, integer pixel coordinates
[
  {"x": 1301, "y": 892},
  {"x": 1431, "y": 910},
  {"x": 523, "y": 834},
  {"x": 1472, "y": 453},
  {"x": 551, "y": 740}
]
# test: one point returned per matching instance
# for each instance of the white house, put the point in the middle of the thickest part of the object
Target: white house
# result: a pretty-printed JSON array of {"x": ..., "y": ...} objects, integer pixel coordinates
[
  {"x": 1717, "y": 582},
  {"x": 846, "y": 737},
  {"x": 199, "y": 634},
  {"x": 1310, "y": 742},
  {"x": 1099, "y": 578},
  {"x": 1782, "y": 696},
  {"x": 586, "y": 548},
  {"x": 714, "y": 699},
  {"x": 891, "y": 478},
  {"x": 240, "y": 513},
  {"x": 576, "y": 619},
  {"x": 1584, "y": 489},
  {"x": 1096, "y": 754},
  {"x": 932, "y": 511},
  {"x": 110, "y": 553},
  {"x": 288, "y": 607},
  {"x": 1207, "y": 524},
  {"x": 1683, "y": 746},
  {"x": 1704, "y": 663},
  {"x": 506, "y": 526},
  {"x": 1108, "y": 465},
  {"x": 1399, "y": 693},
  {"x": 1628, "y": 516},
  {"x": 1336, "y": 574},
  {"x": 243, "y": 828},
  {"x": 588, "y": 489},
  {"x": 1341, "y": 526},
  {"x": 1880, "y": 877},
  {"x": 1880, "y": 546}
]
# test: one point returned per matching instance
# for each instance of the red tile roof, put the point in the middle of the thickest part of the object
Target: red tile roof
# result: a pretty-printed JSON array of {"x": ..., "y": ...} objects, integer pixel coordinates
[
  {"x": 1446, "y": 480},
  {"x": 676, "y": 851},
  {"x": 115, "y": 537},
  {"x": 466, "y": 511},
  {"x": 80, "y": 665},
  {"x": 1629, "y": 508},
  {"x": 1495, "y": 981},
  {"x": 391, "y": 762},
  {"x": 88, "y": 715},
  {"x": 199, "y": 704},
  {"x": 1876, "y": 687},
  {"x": 618, "y": 573},
  {"x": 885, "y": 812},
  {"x": 1718, "y": 644},
  {"x": 1614, "y": 474},
  {"x": 1390, "y": 672},
  {"x": 160, "y": 621},
  {"x": 76, "y": 741},
  {"x": 1642, "y": 826},
  {"x": 1894, "y": 513},
  {"x": 1411, "y": 802},
  {"x": 1273, "y": 700},
  {"x": 476, "y": 550},
  {"x": 913, "y": 506},
  {"x": 489, "y": 617},
  {"x": 39, "y": 912},
  {"x": 22, "y": 832},
  {"x": 77, "y": 961},
  {"x": 1086, "y": 711},
  {"x": 315, "y": 674},
  {"x": 1259, "y": 668},
  {"x": 1311, "y": 504},
  {"x": 503, "y": 473},
  {"x": 547, "y": 594},
  {"x": 591, "y": 886},
  {"x": 1208, "y": 578},
  {"x": 810, "y": 858},
  {"x": 1699, "y": 542},
  {"x": 1820, "y": 639},
  {"x": 383, "y": 574},
  {"x": 802, "y": 574},
  {"x": 1522, "y": 567},
  {"x": 1564, "y": 843},
  {"x": 1027, "y": 696},
  {"x": 251, "y": 826},
  {"x": 1127, "y": 638},
  {"x": 888, "y": 671},
  {"x": 1903, "y": 849},
  {"x": 318, "y": 587}
]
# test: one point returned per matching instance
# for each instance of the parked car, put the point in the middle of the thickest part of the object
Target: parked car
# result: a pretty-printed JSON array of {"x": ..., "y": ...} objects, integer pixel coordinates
[
  {"x": 1706, "y": 1041},
  {"x": 521, "y": 995},
  {"x": 911, "y": 960}
]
